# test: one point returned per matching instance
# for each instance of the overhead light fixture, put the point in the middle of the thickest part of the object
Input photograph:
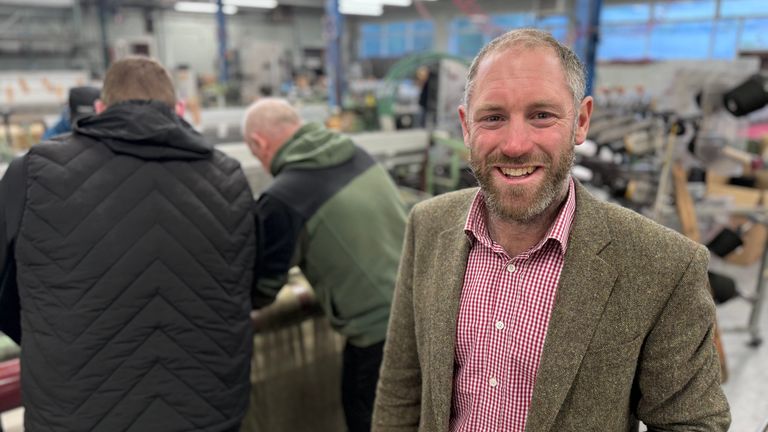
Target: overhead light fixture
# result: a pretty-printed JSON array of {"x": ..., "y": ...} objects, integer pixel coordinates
[
  {"x": 396, "y": 2},
  {"x": 369, "y": 9},
  {"x": 41, "y": 3},
  {"x": 262, "y": 4},
  {"x": 379, "y": 2},
  {"x": 198, "y": 7}
]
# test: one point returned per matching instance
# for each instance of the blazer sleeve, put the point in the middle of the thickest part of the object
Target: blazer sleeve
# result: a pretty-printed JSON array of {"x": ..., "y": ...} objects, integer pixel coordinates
[
  {"x": 679, "y": 370},
  {"x": 398, "y": 394}
]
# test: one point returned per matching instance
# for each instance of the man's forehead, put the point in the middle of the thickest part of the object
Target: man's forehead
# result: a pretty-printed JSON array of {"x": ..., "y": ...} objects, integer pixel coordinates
[
  {"x": 513, "y": 63},
  {"x": 517, "y": 54}
]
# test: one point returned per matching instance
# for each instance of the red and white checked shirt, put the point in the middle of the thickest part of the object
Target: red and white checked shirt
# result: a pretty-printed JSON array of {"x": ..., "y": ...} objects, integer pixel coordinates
[{"x": 503, "y": 317}]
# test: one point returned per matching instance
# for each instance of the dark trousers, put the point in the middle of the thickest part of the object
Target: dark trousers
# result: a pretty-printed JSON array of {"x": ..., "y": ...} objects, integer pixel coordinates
[{"x": 360, "y": 372}]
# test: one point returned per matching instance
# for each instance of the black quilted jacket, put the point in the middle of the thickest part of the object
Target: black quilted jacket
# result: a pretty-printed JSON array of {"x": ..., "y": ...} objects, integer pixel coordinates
[{"x": 134, "y": 260}]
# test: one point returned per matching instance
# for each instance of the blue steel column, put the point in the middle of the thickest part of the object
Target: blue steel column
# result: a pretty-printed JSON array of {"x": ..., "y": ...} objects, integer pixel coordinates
[
  {"x": 222, "y": 34},
  {"x": 587, "y": 14},
  {"x": 103, "y": 5},
  {"x": 334, "y": 30}
]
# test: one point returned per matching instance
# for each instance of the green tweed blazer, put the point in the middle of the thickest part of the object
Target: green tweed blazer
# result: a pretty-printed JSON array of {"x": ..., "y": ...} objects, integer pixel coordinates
[{"x": 630, "y": 336}]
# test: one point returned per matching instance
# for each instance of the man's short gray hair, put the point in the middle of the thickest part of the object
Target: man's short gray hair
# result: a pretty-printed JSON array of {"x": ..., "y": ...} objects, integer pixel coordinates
[
  {"x": 533, "y": 38},
  {"x": 269, "y": 114}
]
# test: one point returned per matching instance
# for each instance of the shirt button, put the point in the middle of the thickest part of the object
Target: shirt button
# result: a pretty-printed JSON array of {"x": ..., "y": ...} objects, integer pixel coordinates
[
  {"x": 499, "y": 325},
  {"x": 511, "y": 268},
  {"x": 492, "y": 382}
]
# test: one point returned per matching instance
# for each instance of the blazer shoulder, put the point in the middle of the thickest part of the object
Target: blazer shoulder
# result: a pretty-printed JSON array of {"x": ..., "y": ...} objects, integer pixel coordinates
[
  {"x": 645, "y": 235},
  {"x": 447, "y": 207},
  {"x": 450, "y": 203}
]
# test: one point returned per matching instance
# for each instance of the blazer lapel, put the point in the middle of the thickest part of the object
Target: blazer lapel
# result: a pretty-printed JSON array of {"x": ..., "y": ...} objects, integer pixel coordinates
[
  {"x": 452, "y": 250},
  {"x": 585, "y": 285}
]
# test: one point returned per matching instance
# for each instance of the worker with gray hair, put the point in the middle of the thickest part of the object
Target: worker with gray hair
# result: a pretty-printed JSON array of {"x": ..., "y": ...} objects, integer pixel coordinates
[{"x": 334, "y": 212}]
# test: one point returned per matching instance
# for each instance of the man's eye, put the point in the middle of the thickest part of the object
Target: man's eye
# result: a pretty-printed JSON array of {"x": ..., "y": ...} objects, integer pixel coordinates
[
  {"x": 542, "y": 115},
  {"x": 493, "y": 118}
]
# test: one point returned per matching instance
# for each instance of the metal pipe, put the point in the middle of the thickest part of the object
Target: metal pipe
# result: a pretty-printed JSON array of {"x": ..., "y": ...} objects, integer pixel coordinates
[
  {"x": 103, "y": 5},
  {"x": 334, "y": 28},
  {"x": 221, "y": 22},
  {"x": 587, "y": 14}
]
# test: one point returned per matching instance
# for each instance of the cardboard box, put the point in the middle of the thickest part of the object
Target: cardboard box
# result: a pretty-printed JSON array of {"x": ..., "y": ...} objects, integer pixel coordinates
[{"x": 717, "y": 186}]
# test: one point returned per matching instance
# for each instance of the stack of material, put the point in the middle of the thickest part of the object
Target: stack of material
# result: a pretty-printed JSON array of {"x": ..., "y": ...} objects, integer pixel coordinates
[{"x": 296, "y": 368}]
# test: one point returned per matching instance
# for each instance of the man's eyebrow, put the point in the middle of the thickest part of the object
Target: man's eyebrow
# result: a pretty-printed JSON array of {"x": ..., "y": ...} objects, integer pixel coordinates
[
  {"x": 552, "y": 106},
  {"x": 545, "y": 105},
  {"x": 489, "y": 107}
]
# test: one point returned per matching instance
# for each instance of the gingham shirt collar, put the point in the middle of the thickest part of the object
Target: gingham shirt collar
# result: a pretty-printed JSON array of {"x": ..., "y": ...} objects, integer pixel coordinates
[{"x": 476, "y": 226}]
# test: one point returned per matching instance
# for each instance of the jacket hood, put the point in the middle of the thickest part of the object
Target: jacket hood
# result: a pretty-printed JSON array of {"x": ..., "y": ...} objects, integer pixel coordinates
[
  {"x": 311, "y": 147},
  {"x": 145, "y": 129}
]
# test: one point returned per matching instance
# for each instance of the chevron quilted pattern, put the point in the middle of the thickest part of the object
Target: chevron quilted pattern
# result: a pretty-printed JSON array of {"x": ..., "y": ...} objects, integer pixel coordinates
[{"x": 135, "y": 288}]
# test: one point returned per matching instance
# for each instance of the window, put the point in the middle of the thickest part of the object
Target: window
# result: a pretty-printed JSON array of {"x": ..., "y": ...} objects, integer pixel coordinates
[
  {"x": 754, "y": 35},
  {"x": 555, "y": 24},
  {"x": 395, "y": 39},
  {"x": 684, "y": 10},
  {"x": 681, "y": 29},
  {"x": 468, "y": 35},
  {"x": 681, "y": 40},
  {"x": 726, "y": 39},
  {"x": 625, "y": 13},
  {"x": 370, "y": 41},
  {"x": 746, "y": 8},
  {"x": 627, "y": 42},
  {"x": 466, "y": 38},
  {"x": 510, "y": 21},
  {"x": 422, "y": 36}
]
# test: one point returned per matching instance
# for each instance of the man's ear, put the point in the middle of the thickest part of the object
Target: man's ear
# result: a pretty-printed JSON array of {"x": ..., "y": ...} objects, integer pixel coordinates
[
  {"x": 255, "y": 143},
  {"x": 99, "y": 106},
  {"x": 582, "y": 121},
  {"x": 464, "y": 125},
  {"x": 181, "y": 107}
]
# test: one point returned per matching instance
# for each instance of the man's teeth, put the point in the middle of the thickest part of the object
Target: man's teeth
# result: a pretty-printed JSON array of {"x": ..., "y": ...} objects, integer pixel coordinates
[{"x": 517, "y": 172}]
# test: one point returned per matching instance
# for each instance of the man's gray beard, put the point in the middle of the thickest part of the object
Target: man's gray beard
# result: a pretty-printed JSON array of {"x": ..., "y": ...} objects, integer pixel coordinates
[{"x": 552, "y": 189}]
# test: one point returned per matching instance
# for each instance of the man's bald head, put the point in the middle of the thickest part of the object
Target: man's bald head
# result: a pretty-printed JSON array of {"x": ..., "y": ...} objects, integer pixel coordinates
[
  {"x": 268, "y": 124},
  {"x": 268, "y": 115}
]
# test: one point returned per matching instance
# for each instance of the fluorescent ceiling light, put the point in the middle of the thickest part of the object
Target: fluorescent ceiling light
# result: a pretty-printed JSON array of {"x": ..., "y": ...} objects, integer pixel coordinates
[
  {"x": 41, "y": 3},
  {"x": 203, "y": 8},
  {"x": 395, "y": 2},
  {"x": 371, "y": 9},
  {"x": 264, "y": 4},
  {"x": 380, "y": 2}
]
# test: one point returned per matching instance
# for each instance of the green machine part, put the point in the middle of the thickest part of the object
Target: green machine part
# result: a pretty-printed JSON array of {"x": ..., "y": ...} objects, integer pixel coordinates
[{"x": 403, "y": 68}]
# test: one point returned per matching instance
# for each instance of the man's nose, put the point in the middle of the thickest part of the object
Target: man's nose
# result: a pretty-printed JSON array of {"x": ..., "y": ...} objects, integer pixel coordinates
[{"x": 517, "y": 139}]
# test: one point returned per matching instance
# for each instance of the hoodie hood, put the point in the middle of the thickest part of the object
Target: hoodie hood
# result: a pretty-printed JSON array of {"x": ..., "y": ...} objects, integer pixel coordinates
[
  {"x": 145, "y": 129},
  {"x": 312, "y": 147}
]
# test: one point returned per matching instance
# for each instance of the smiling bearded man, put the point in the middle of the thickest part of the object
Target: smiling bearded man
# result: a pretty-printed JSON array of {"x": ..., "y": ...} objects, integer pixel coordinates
[{"x": 529, "y": 305}]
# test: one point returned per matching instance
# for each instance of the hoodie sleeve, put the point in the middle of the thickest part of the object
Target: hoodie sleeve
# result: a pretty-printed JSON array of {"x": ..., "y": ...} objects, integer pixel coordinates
[{"x": 13, "y": 191}]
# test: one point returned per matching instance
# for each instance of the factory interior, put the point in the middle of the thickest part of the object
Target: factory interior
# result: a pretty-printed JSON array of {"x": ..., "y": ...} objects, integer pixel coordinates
[{"x": 679, "y": 133}]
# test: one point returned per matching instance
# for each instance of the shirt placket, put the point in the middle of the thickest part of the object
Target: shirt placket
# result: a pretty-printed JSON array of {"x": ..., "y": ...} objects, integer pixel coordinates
[
  {"x": 497, "y": 331},
  {"x": 515, "y": 305}
]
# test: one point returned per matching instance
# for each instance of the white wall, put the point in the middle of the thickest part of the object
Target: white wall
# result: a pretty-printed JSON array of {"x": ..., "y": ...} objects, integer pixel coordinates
[{"x": 191, "y": 39}]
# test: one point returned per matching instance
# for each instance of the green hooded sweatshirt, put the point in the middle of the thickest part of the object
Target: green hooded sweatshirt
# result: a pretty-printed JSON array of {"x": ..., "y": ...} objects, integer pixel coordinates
[{"x": 337, "y": 214}]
